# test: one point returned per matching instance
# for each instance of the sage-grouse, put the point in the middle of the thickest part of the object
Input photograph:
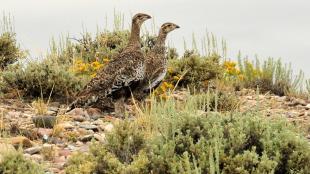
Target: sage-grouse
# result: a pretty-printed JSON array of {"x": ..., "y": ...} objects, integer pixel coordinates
[
  {"x": 155, "y": 63},
  {"x": 108, "y": 89}
]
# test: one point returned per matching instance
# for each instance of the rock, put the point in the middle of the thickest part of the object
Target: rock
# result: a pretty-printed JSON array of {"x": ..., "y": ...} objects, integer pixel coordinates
[
  {"x": 13, "y": 114},
  {"x": 296, "y": 102},
  {"x": 44, "y": 121},
  {"x": 43, "y": 131},
  {"x": 89, "y": 127},
  {"x": 66, "y": 125},
  {"x": 86, "y": 138},
  {"x": 64, "y": 152},
  {"x": 59, "y": 162},
  {"x": 307, "y": 106},
  {"x": 100, "y": 137},
  {"x": 108, "y": 128},
  {"x": 77, "y": 111},
  {"x": 71, "y": 147},
  {"x": 78, "y": 118},
  {"x": 292, "y": 114},
  {"x": 18, "y": 141},
  {"x": 98, "y": 122},
  {"x": 84, "y": 148},
  {"x": 94, "y": 113},
  {"x": 33, "y": 150},
  {"x": 37, "y": 157}
]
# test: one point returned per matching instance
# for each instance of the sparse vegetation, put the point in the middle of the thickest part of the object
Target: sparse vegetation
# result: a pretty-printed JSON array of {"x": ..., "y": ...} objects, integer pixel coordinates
[
  {"x": 15, "y": 163},
  {"x": 177, "y": 139},
  {"x": 272, "y": 75},
  {"x": 202, "y": 133}
]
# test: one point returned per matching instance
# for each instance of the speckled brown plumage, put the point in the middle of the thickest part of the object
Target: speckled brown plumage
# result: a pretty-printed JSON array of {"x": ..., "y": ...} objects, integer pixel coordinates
[
  {"x": 155, "y": 63},
  {"x": 119, "y": 76}
]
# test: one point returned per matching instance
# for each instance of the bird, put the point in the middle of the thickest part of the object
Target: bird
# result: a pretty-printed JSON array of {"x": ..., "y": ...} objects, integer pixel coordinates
[
  {"x": 155, "y": 64},
  {"x": 108, "y": 90}
]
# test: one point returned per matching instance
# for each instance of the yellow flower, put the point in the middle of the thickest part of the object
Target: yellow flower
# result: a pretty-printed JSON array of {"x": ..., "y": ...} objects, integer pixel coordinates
[
  {"x": 82, "y": 68},
  {"x": 176, "y": 77},
  {"x": 170, "y": 70},
  {"x": 93, "y": 75},
  {"x": 106, "y": 60},
  {"x": 96, "y": 65}
]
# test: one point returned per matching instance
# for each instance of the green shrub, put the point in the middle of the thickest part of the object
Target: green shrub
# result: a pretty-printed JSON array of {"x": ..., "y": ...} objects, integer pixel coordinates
[
  {"x": 196, "y": 70},
  {"x": 42, "y": 77},
  {"x": 15, "y": 163},
  {"x": 9, "y": 49},
  {"x": 236, "y": 143},
  {"x": 122, "y": 153},
  {"x": 104, "y": 45},
  {"x": 81, "y": 163},
  {"x": 187, "y": 141}
]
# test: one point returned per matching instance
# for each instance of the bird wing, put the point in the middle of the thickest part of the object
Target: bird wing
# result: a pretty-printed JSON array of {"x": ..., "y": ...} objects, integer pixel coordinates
[{"x": 125, "y": 69}]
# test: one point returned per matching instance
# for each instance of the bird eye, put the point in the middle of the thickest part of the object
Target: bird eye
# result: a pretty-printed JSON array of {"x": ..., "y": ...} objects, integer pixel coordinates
[{"x": 139, "y": 16}]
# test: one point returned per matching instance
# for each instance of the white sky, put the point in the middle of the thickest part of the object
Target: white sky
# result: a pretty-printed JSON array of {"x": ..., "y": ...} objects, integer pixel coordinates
[{"x": 275, "y": 28}]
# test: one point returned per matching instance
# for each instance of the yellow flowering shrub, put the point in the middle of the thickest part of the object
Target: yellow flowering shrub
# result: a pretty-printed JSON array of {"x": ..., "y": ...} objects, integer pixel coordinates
[{"x": 81, "y": 67}]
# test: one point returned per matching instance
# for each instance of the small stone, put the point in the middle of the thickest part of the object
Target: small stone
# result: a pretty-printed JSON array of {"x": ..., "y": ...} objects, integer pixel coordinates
[
  {"x": 64, "y": 152},
  {"x": 108, "y": 128},
  {"x": 44, "y": 131},
  {"x": 249, "y": 97},
  {"x": 86, "y": 138},
  {"x": 18, "y": 141},
  {"x": 98, "y": 122},
  {"x": 89, "y": 127},
  {"x": 59, "y": 162},
  {"x": 78, "y": 118},
  {"x": 71, "y": 147},
  {"x": 53, "y": 170},
  {"x": 296, "y": 102},
  {"x": 307, "y": 106},
  {"x": 37, "y": 157},
  {"x": 100, "y": 137},
  {"x": 292, "y": 114},
  {"x": 66, "y": 125},
  {"x": 84, "y": 148},
  {"x": 77, "y": 111},
  {"x": 94, "y": 113},
  {"x": 33, "y": 150},
  {"x": 52, "y": 113},
  {"x": 44, "y": 121}
]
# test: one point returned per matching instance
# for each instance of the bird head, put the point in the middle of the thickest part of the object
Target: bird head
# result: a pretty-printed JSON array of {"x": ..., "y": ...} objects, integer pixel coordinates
[
  {"x": 140, "y": 18},
  {"x": 168, "y": 27}
]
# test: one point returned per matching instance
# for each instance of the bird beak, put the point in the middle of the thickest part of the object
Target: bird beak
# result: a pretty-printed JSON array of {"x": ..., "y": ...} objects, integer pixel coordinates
[
  {"x": 177, "y": 26},
  {"x": 148, "y": 16}
]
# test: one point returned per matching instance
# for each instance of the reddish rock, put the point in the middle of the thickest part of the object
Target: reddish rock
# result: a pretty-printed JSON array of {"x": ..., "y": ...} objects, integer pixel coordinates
[
  {"x": 44, "y": 131},
  {"x": 64, "y": 152},
  {"x": 18, "y": 141},
  {"x": 94, "y": 113}
]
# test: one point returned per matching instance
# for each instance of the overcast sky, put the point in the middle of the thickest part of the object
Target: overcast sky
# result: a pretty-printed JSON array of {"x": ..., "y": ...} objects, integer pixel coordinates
[{"x": 275, "y": 28}]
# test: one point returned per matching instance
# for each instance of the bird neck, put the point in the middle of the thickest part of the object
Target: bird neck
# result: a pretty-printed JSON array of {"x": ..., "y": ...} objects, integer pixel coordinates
[
  {"x": 134, "y": 39},
  {"x": 159, "y": 47},
  {"x": 160, "y": 42}
]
